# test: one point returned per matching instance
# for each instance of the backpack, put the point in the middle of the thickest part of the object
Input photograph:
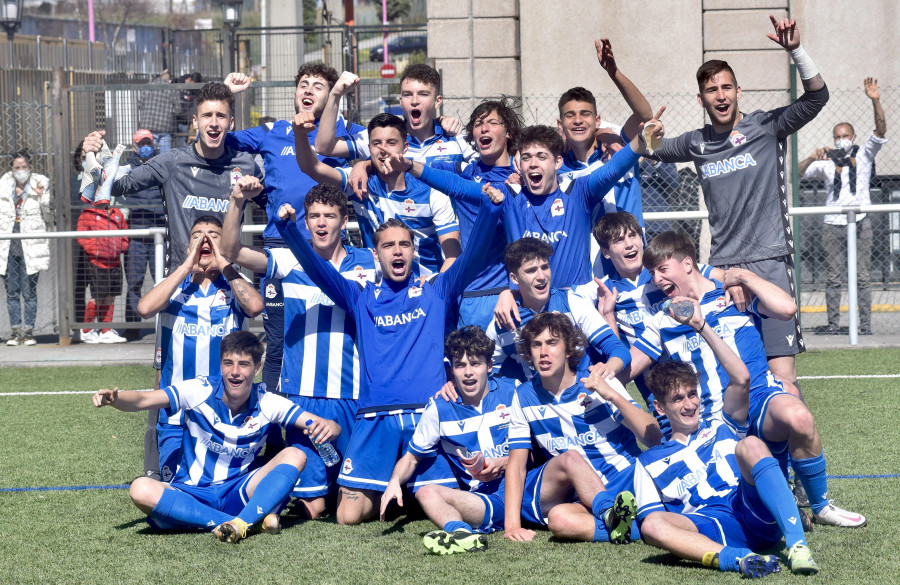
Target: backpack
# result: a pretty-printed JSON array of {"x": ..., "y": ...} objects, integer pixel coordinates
[{"x": 103, "y": 252}]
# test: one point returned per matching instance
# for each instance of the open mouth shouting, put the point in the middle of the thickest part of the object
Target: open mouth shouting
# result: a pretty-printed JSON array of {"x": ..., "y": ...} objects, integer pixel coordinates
[
  {"x": 415, "y": 117},
  {"x": 307, "y": 104},
  {"x": 398, "y": 266}
]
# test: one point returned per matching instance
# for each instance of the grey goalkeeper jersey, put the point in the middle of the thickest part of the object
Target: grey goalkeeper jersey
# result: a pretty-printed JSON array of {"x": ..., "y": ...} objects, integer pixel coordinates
[
  {"x": 742, "y": 174},
  {"x": 191, "y": 186}
]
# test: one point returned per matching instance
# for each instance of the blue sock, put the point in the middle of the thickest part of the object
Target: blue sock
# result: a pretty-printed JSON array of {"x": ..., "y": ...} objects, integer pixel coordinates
[
  {"x": 728, "y": 558},
  {"x": 601, "y": 532},
  {"x": 271, "y": 490},
  {"x": 176, "y": 509},
  {"x": 777, "y": 497},
  {"x": 603, "y": 501},
  {"x": 455, "y": 525},
  {"x": 812, "y": 475}
]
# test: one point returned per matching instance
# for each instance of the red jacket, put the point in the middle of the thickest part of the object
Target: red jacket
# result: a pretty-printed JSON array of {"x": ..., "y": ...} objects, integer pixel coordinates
[{"x": 103, "y": 252}]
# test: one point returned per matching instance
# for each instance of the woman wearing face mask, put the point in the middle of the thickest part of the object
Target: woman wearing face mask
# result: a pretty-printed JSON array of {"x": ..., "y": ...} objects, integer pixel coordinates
[{"x": 24, "y": 208}]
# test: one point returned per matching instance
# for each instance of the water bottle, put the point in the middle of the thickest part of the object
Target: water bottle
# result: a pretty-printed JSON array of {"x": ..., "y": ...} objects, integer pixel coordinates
[
  {"x": 681, "y": 309},
  {"x": 326, "y": 450}
]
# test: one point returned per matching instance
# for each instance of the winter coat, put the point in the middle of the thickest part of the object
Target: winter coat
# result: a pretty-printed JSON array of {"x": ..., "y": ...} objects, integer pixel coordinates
[
  {"x": 103, "y": 252},
  {"x": 36, "y": 214}
]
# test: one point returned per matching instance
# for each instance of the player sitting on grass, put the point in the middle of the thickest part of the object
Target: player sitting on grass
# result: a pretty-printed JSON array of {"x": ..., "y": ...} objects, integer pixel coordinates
[
  {"x": 574, "y": 421},
  {"x": 220, "y": 483},
  {"x": 777, "y": 417},
  {"x": 706, "y": 494}
]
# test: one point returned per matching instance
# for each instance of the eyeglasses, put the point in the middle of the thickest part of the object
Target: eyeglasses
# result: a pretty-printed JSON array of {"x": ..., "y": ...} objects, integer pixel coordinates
[{"x": 492, "y": 123}]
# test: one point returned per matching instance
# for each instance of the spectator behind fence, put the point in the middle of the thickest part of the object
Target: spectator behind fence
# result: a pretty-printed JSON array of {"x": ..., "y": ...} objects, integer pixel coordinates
[
  {"x": 104, "y": 270},
  {"x": 146, "y": 211},
  {"x": 186, "y": 110},
  {"x": 848, "y": 171},
  {"x": 24, "y": 208},
  {"x": 79, "y": 258},
  {"x": 158, "y": 111}
]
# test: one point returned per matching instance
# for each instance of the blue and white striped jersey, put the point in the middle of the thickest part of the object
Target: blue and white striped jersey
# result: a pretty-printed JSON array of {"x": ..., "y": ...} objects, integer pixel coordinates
[
  {"x": 664, "y": 338},
  {"x": 458, "y": 427},
  {"x": 575, "y": 420},
  {"x": 603, "y": 342},
  {"x": 700, "y": 474},
  {"x": 193, "y": 324},
  {"x": 218, "y": 446},
  {"x": 426, "y": 211},
  {"x": 321, "y": 357},
  {"x": 438, "y": 148}
]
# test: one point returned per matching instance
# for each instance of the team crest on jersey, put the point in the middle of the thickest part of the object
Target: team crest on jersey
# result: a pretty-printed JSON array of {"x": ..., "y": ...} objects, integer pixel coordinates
[
  {"x": 158, "y": 354},
  {"x": 415, "y": 291},
  {"x": 720, "y": 304},
  {"x": 235, "y": 175},
  {"x": 250, "y": 423},
  {"x": 409, "y": 206},
  {"x": 440, "y": 148},
  {"x": 737, "y": 139},
  {"x": 347, "y": 467},
  {"x": 270, "y": 291},
  {"x": 557, "y": 208},
  {"x": 166, "y": 474},
  {"x": 220, "y": 297}
]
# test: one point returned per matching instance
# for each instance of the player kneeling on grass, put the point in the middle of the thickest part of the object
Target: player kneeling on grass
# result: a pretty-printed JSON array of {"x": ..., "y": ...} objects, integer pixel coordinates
[
  {"x": 706, "y": 494},
  {"x": 220, "y": 483},
  {"x": 587, "y": 427},
  {"x": 473, "y": 426}
]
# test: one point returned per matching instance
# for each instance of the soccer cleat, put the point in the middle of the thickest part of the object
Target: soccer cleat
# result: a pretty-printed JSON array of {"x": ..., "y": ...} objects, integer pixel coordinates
[
  {"x": 110, "y": 336},
  {"x": 800, "y": 495},
  {"x": 805, "y": 521},
  {"x": 831, "y": 515},
  {"x": 92, "y": 336},
  {"x": 441, "y": 542},
  {"x": 619, "y": 518},
  {"x": 271, "y": 524},
  {"x": 232, "y": 531},
  {"x": 755, "y": 566},
  {"x": 801, "y": 561}
]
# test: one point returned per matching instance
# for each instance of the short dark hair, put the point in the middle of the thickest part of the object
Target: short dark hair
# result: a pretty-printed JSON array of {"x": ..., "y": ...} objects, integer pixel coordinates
[
  {"x": 613, "y": 225},
  {"x": 21, "y": 153},
  {"x": 241, "y": 343},
  {"x": 76, "y": 156},
  {"x": 506, "y": 109},
  {"x": 214, "y": 91},
  {"x": 392, "y": 222},
  {"x": 541, "y": 135},
  {"x": 469, "y": 340},
  {"x": 578, "y": 94},
  {"x": 667, "y": 377},
  {"x": 210, "y": 219},
  {"x": 422, "y": 73},
  {"x": 317, "y": 69},
  {"x": 326, "y": 195},
  {"x": 525, "y": 250},
  {"x": 559, "y": 326},
  {"x": 669, "y": 244},
  {"x": 385, "y": 120},
  {"x": 712, "y": 68}
]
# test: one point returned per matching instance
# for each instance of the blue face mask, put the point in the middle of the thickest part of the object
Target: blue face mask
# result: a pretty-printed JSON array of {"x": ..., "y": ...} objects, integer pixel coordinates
[{"x": 145, "y": 151}]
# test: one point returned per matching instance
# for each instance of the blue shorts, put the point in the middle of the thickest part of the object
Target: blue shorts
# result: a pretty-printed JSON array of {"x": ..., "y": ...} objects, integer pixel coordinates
[
  {"x": 377, "y": 443},
  {"x": 494, "y": 512},
  {"x": 749, "y": 524},
  {"x": 229, "y": 497},
  {"x": 759, "y": 407},
  {"x": 477, "y": 310},
  {"x": 318, "y": 480}
]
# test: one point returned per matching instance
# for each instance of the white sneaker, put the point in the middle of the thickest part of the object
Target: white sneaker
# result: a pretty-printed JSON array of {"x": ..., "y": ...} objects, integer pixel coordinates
[
  {"x": 834, "y": 516},
  {"x": 92, "y": 336},
  {"x": 111, "y": 336}
]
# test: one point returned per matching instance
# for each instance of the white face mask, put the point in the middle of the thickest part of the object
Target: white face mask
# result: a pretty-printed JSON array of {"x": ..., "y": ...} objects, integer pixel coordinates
[
  {"x": 22, "y": 176},
  {"x": 844, "y": 144}
]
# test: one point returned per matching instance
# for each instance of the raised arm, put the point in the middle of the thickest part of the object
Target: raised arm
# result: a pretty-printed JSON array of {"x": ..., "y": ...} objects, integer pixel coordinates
[
  {"x": 244, "y": 292},
  {"x": 327, "y": 143},
  {"x": 304, "y": 123},
  {"x": 639, "y": 421},
  {"x": 788, "y": 36},
  {"x": 158, "y": 297},
  {"x": 602, "y": 180},
  {"x": 871, "y": 86},
  {"x": 252, "y": 258},
  {"x": 773, "y": 301},
  {"x": 640, "y": 107},
  {"x": 451, "y": 184}
]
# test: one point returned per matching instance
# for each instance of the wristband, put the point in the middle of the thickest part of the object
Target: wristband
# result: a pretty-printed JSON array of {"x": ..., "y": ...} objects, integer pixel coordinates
[
  {"x": 804, "y": 63},
  {"x": 702, "y": 326}
]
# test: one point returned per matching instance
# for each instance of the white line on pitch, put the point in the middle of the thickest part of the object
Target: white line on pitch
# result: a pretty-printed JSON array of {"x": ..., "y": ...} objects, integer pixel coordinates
[
  {"x": 50, "y": 393},
  {"x": 857, "y": 377}
]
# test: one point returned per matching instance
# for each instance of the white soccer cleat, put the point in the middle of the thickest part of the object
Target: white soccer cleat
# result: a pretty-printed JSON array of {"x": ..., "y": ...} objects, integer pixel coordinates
[{"x": 831, "y": 515}]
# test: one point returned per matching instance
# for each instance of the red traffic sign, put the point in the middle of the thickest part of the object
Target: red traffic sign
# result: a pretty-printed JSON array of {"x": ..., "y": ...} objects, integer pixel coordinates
[{"x": 388, "y": 71}]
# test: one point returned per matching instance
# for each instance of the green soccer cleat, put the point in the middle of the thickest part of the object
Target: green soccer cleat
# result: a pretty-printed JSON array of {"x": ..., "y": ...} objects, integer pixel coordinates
[
  {"x": 441, "y": 542},
  {"x": 619, "y": 518},
  {"x": 801, "y": 561},
  {"x": 755, "y": 566},
  {"x": 232, "y": 531}
]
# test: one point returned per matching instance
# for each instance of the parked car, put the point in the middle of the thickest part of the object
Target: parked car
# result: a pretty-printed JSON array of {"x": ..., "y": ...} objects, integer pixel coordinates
[{"x": 401, "y": 46}]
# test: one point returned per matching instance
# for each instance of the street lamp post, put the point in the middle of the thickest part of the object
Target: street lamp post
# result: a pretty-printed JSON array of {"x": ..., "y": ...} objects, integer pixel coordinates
[
  {"x": 10, "y": 20},
  {"x": 231, "y": 18}
]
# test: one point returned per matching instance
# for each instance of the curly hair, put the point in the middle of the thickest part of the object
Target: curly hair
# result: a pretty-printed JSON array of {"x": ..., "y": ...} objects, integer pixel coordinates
[
  {"x": 317, "y": 69},
  {"x": 469, "y": 340},
  {"x": 668, "y": 377},
  {"x": 559, "y": 326},
  {"x": 326, "y": 195},
  {"x": 506, "y": 109}
]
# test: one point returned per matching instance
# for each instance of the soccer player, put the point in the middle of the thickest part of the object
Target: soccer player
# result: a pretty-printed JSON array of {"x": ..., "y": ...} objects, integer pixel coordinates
[
  {"x": 320, "y": 372},
  {"x": 528, "y": 263},
  {"x": 394, "y": 194},
  {"x": 274, "y": 142},
  {"x": 571, "y": 418},
  {"x": 706, "y": 494},
  {"x": 221, "y": 481},
  {"x": 777, "y": 417},
  {"x": 740, "y": 162},
  {"x": 398, "y": 326},
  {"x": 199, "y": 303}
]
